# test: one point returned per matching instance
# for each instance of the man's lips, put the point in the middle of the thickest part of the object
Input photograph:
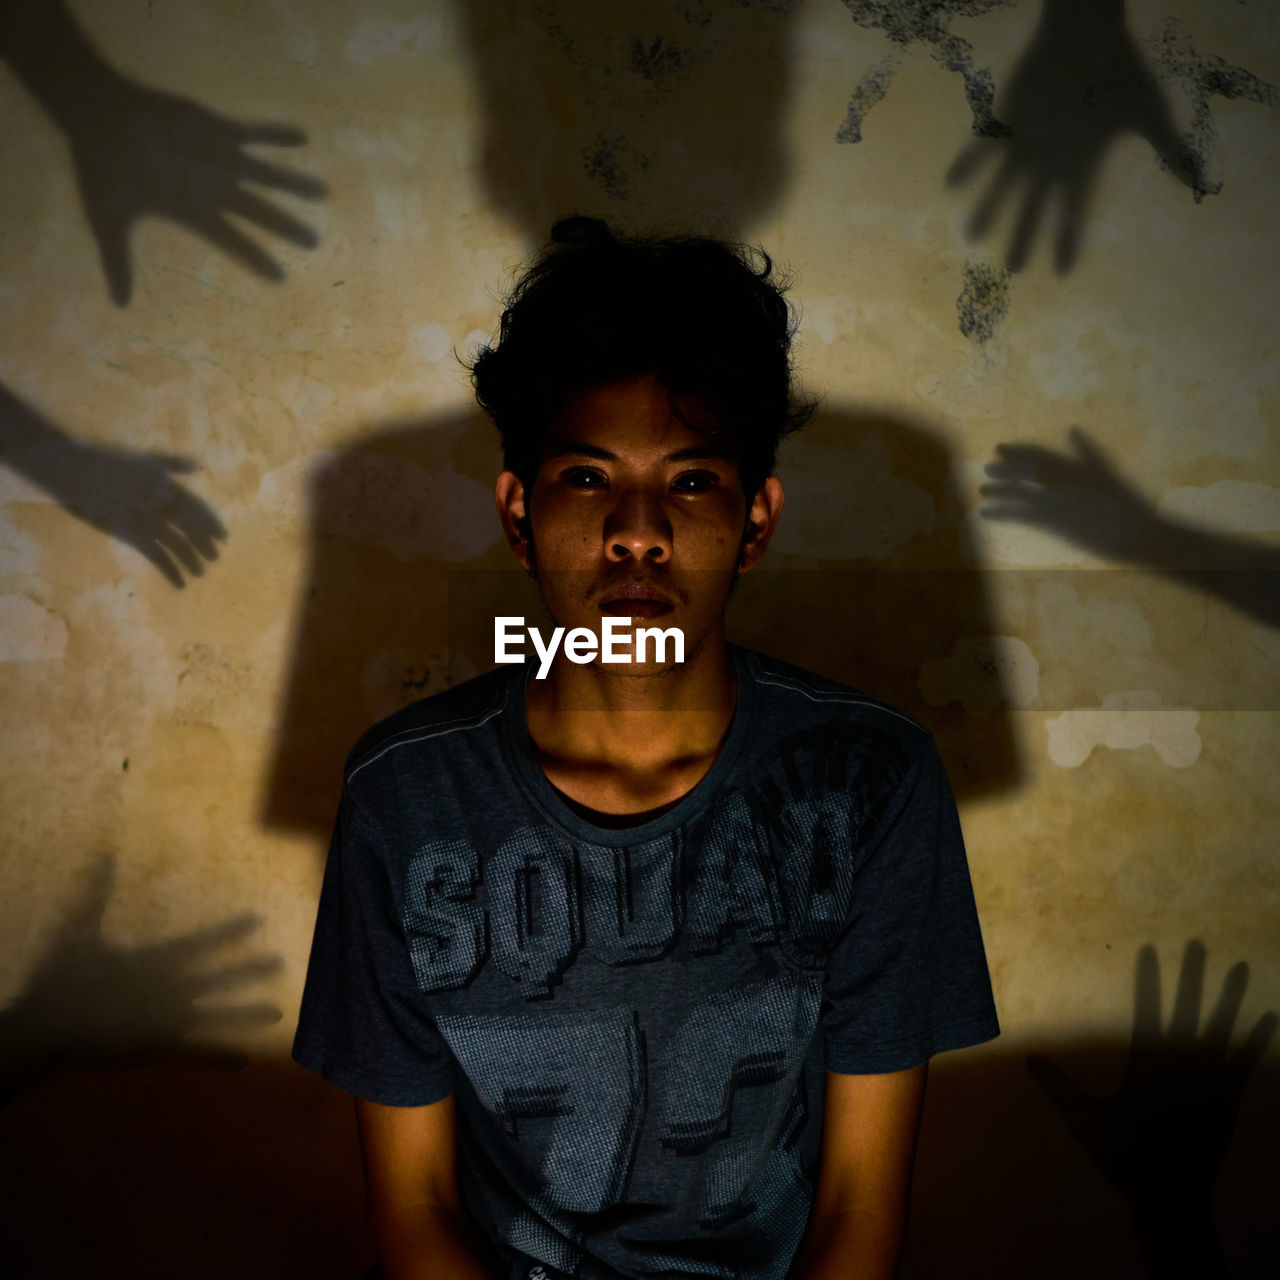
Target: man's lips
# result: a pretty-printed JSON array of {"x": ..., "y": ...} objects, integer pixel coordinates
[
  {"x": 635, "y": 608},
  {"x": 635, "y": 600}
]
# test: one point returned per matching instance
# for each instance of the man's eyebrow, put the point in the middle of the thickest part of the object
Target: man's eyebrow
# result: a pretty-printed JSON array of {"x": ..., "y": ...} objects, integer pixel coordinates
[
  {"x": 701, "y": 453},
  {"x": 581, "y": 449}
]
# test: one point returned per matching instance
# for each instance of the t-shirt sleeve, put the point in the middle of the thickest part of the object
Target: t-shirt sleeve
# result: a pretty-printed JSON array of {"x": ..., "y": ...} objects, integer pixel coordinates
[
  {"x": 908, "y": 976},
  {"x": 363, "y": 1025}
]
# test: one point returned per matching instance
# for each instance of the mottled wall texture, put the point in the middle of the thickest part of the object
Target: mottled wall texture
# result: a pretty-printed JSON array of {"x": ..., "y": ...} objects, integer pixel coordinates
[{"x": 245, "y": 510}]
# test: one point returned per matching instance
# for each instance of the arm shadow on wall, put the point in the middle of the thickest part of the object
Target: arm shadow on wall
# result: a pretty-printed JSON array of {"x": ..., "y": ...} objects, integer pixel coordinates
[
  {"x": 408, "y": 570},
  {"x": 1094, "y": 1157},
  {"x": 132, "y": 497},
  {"x": 1084, "y": 499},
  {"x": 1083, "y": 83},
  {"x": 98, "y": 1023},
  {"x": 1125, "y": 1151},
  {"x": 91, "y": 1004},
  {"x": 139, "y": 152}
]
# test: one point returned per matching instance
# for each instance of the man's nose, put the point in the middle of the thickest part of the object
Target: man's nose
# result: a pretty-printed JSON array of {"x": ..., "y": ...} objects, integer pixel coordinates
[{"x": 638, "y": 528}]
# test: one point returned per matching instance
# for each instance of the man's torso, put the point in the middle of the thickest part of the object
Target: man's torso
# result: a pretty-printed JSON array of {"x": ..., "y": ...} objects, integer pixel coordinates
[{"x": 635, "y": 1021}]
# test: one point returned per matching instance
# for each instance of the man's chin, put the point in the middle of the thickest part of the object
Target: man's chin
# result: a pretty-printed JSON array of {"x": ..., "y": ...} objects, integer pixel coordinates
[{"x": 639, "y": 670}]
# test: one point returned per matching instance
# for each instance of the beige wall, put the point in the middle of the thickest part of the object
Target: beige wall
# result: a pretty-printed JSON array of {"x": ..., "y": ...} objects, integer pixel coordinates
[{"x": 1110, "y": 728}]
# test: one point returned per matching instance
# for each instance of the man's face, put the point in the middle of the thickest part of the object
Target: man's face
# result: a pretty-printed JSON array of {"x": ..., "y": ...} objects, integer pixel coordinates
[{"x": 634, "y": 514}]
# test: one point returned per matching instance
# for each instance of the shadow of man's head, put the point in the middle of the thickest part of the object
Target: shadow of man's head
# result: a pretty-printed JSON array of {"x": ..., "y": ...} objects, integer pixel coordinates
[{"x": 659, "y": 110}]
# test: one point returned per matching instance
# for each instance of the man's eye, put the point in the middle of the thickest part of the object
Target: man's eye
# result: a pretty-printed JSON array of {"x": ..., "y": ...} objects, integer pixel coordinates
[
  {"x": 585, "y": 478},
  {"x": 695, "y": 481}
]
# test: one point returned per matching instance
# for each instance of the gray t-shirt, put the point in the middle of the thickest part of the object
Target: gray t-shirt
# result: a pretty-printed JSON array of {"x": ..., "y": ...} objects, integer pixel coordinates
[{"x": 636, "y": 1022}]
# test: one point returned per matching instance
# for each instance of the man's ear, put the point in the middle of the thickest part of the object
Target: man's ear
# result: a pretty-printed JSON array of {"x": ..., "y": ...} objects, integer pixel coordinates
[
  {"x": 762, "y": 519},
  {"x": 509, "y": 494}
]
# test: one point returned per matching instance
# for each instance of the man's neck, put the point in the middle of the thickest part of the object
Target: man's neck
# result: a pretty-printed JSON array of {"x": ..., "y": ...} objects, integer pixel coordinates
[{"x": 626, "y": 744}]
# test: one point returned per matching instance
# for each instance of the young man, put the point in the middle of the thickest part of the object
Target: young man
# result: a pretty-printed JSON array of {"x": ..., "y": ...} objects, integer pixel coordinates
[{"x": 634, "y": 969}]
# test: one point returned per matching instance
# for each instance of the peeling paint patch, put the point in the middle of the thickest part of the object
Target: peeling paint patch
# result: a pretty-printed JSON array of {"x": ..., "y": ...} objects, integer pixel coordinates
[
  {"x": 984, "y": 301},
  {"x": 282, "y": 491},
  {"x": 1124, "y": 722},
  {"x": 19, "y": 552},
  {"x": 28, "y": 631},
  {"x": 611, "y": 163},
  {"x": 372, "y": 41},
  {"x": 360, "y": 145},
  {"x": 1200, "y": 77},
  {"x": 430, "y": 342},
  {"x": 17, "y": 488},
  {"x": 828, "y": 318},
  {"x": 870, "y": 90},
  {"x": 695, "y": 12},
  {"x": 1228, "y": 506},
  {"x": 925, "y": 23},
  {"x": 1076, "y": 624},
  {"x": 473, "y": 344},
  {"x": 982, "y": 672},
  {"x": 658, "y": 61}
]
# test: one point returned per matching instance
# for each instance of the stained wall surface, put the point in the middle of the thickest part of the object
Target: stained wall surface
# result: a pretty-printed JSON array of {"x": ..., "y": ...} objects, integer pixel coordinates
[{"x": 245, "y": 511}]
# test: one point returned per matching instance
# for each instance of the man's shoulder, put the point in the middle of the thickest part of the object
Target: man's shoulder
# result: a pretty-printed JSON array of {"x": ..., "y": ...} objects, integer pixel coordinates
[
  {"x": 800, "y": 694},
  {"x": 441, "y": 716}
]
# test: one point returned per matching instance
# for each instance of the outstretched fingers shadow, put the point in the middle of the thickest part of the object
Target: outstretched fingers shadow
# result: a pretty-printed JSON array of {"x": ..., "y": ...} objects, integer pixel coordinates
[
  {"x": 1087, "y": 501},
  {"x": 132, "y": 497},
  {"x": 1162, "y": 1137},
  {"x": 89, "y": 1003},
  {"x": 1082, "y": 83},
  {"x": 139, "y": 152}
]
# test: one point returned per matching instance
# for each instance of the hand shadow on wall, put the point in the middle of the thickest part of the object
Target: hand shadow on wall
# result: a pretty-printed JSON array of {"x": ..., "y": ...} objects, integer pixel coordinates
[
  {"x": 1086, "y": 500},
  {"x": 408, "y": 570},
  {"x": 139, "y": 152},
  {"x": 1080, "y": 85},
  {"x": 93, "y": 1005},
  {"x": 1161, "y": 1139},
  {"x": 133, "y": 497},
  {"x": 1003, "y": 1187}
]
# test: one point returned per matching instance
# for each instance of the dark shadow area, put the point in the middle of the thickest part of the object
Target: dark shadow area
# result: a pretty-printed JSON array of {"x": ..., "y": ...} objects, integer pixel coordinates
[
  {"x": 132, "y": 497},
  {"x": 926, "y": 24},
  {"x": 256, "y": 1173},
  {"x": 387, "y": 618},
  {"x": 389, "y": 517},
  {"x": 89, "y": 1004},
  {"x": 1093, "y": 1157},
  {"x": 1086, "y": 500},
  {"x": 138, "y": 152},
  {"x": 408, "y": 571},
  {"x": 1002, "y": 1189},
  {"x": 662, "y": 110},
  {"x": 1161, "y": 1138},
  {"x": 182, "y": 1171},
  {"x": 1082, "y": 83}
]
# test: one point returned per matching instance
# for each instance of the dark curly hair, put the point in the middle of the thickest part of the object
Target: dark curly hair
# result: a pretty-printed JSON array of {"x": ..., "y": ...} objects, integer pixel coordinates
[{"x": 707, "y": 319}]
